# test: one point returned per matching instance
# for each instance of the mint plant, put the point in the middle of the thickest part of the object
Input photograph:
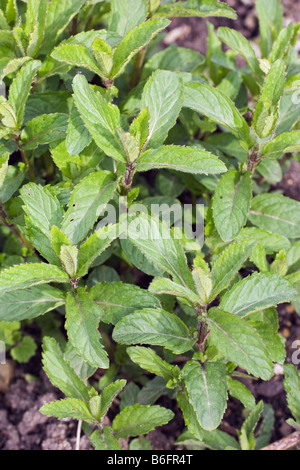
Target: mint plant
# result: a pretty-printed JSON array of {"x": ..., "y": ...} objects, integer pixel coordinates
[{"x": 99, "y": 126}]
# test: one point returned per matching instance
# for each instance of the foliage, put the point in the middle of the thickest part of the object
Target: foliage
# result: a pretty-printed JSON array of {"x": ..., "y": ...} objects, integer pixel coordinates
[{"x": 92, "y": 105}]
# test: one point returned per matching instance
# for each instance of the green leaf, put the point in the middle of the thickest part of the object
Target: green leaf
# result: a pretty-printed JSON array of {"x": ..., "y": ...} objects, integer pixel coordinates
[
  {"x": 59, "y": 16},
  {"x": 126, "y": 14},
  {"x": 44, "y": 129},
  {"x": 185, "y": 159},
  {"x": 100, "y": 405},
  {"x": 246, "y": 434},
  {"x": 42, "y": 210},
  {"x": 166, "y": 286},
  {"x": 271, "y": 339},
  {"x": 271, "y": 242},
  {"x": 163, "y": 96},
  {"x": 292, "y": 386},
  {"x": 203, "y": 283},
  {"x": 282, "y": 44},
  {"x": 228, "y": 263},
  {"x": 137, "y": 419},
  {"x": 276, "y": 213},
  {"x": 61, "y": 373},
  {"x": 68, "y": 408},
  {"x": 147, "y": 359},
  {"x": 239, "y": 343},
  {"x": 288, "y": 142},
  {"x": 133, "y": 42},
  {"x": 155, "y": 241},
  {"x": 36, "y": 14},
  {"x": 207, "y": 391},
  {"x": 104, "y": 440},
  {"x": 100, "y": 118},
  {"x": 20, "y": 89},
  {"x": 28, "y": 275},
  {"x": 78, "y": 137},
  {"x": 24, "y": 350},
  {"x": 78, "y": 55},
  {"x": 239, "y": 391},
  {"x": 237, "y": 42},
  {"x": 87, "y": 202},
  {"x": 139, "y": 127},
  {"x": 118, "y": 299},
  {"x": 29, "y": 303},
  {"x": 69, "y": 259},
  {"x": 256, "y": 292},
  {"x": 212, "y": 103},
  {"x": 155, "y": 327},
  {"x": 173, "y": 59},
  {"x": 94, "y": 246},
  {"x": 198, "y": 8},
  {"x": 231, "y": 203},
  {"x": 267, "y": 108},
  {"x": 270, "y": 23},
  {"x": 83, "y": 318},
  {"x": 3, "y": 168}
]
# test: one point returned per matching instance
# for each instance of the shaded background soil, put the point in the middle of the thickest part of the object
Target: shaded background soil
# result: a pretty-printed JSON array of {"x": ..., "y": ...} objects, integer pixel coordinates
[{"x": 25, "y": 388}]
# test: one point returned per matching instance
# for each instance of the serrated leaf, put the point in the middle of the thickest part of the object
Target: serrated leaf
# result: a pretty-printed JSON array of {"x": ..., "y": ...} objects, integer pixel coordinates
[
  {"x": 139, "y": 127},
  {"x": 147, "y": 359},
  {"x": 231, "y": 203},
  {"x": 36, "y": 15},
  {"x": 99, "y": 405},
  {"x": 155, "y": 241},
  {"x": 267, "y": 108},
  {"x": 239, "y": 391},
  {"x": 288, "y": 142},
  {"x": 137, "y": 419},
  {"x": 228, "y": 263},
  {"x": 78, "y": 55},
  {"x": 203, "y": 283},
  {"x": 44, "y": 129},
  {"x": 78, "y": 137},
  {"x": 88, "y": 200},
  {"x": 100, "y": 118},
  {"x": 42, "y": 210},
  {"x": 29, "y": 303},
  {"x": 167, "y": 286},
  {"x": 83, "y": 318},
  {"x": 163, "y": 96},
  {"x": 292, "y": 387},
  {"x": 155, "y": 327},
  {"x": 61, "y": 373},
  {"x": 126, "y": 14},
  {"x": 69, "y": 258},
  {"x": 118, "y": 299},
  {"x": 104, "y": 440},
  {"x": 270, "y": 23},
  {"x": 68, "y": 408},
  {"x": 28, "y": 275},
  {"x": 59, "y": 16},
  {"x": 246, "y": 434},
  {"x": 198, "y": 8},
  {"x": 271, "y": 242},
  {"x": 133, "y": 42},
  {"x": 94, "y": 246},
  {"x": 20, "y": 89},
  {"x": 257, "y": 292},
  {"x": 271, "y": 339},
  {"x": 185, "y": 159},
  {"x": 239, "y": 343},
  {"x": 236, "y": 41},
  {"x": 276, "y": 213},
  {"x": 207, "y": 391},
  {"x": 212, "y": 103}
]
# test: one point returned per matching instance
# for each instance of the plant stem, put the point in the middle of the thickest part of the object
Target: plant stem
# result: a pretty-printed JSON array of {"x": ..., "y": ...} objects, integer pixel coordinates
[
  {"x": 78, "y": 435},
  {"x": 254, "y": 160},
  {"x": 128, "y": 178},
  {"x": 25, "y": 159},
  {"x": 12, "y": 228},
  {"x": 286, "y": 443}
]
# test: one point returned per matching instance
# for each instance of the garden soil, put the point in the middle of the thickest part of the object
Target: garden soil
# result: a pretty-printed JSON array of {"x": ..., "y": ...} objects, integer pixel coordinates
[{"x": 24, "y": 388}]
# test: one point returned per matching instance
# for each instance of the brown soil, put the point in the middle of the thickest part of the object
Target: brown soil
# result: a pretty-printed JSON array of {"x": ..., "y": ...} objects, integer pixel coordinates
[{"x": 24, "y": 388}]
